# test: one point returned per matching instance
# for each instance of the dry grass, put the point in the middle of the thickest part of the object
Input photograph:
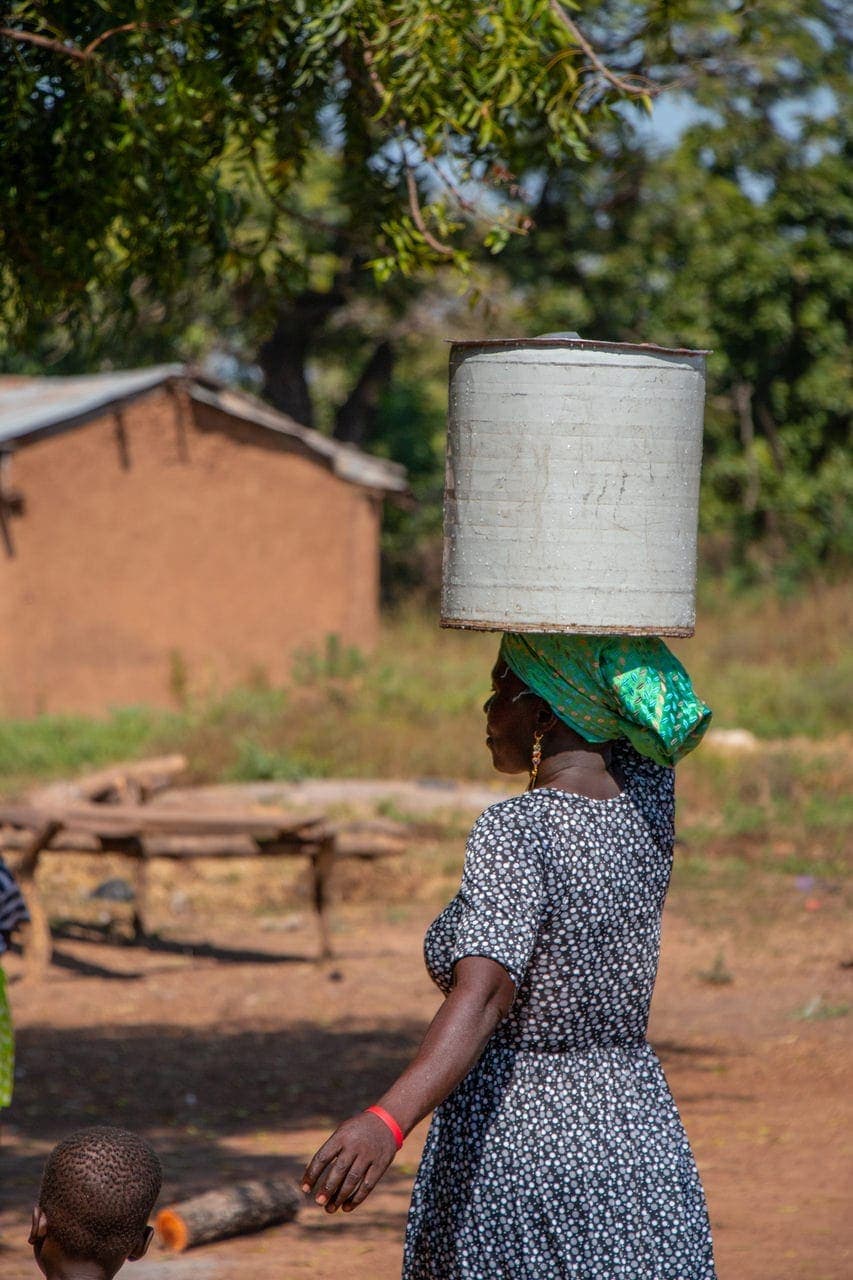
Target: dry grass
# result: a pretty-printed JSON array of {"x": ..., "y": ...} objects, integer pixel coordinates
[{"x": 780, "y": 668}]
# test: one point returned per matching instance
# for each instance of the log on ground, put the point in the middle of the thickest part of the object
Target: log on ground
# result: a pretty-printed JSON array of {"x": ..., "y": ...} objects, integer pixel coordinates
[{"x": 227, "y": 1211}]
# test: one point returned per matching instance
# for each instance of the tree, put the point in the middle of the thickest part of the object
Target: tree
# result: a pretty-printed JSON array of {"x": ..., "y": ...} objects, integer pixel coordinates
[
  {"x": 132, "y": 134},
  {"x": 738, "y": 239},
  {"x": 287, "y": 181}
]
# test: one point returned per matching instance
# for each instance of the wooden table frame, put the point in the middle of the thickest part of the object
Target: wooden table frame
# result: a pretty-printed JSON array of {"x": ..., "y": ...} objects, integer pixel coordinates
[{"x": 144, "y": 832}]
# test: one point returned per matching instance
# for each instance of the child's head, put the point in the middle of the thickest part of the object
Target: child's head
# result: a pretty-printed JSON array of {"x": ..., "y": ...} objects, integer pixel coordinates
[{"x": 97, "y": 1191}]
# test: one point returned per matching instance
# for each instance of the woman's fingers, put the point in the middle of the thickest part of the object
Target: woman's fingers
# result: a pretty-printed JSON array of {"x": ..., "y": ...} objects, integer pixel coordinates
[
  {"x": 356, "y": 1172},
  {"x": 332, "y": 1177},
  {"x": 348, "y": 1166},
  {"x": 318, "y": 1162},
  {"x": 363, "y": 1190}
]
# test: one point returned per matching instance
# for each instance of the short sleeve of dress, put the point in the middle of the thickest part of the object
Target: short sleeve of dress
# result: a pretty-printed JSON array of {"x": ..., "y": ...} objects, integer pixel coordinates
[{"x": 500, "y": 902}]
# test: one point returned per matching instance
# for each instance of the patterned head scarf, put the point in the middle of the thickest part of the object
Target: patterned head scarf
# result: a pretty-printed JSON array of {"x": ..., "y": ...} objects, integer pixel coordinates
[{"x": 607, "y": 687}]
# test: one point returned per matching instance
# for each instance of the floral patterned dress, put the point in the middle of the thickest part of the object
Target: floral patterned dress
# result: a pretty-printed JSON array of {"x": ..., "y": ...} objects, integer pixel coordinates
[{"x": 561, "y": 1155}]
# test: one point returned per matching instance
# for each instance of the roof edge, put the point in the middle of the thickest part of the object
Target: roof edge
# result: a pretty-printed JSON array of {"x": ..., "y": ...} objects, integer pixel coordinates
[
  {"x": 31, "y": 421},
  {"x": 346, "y": 460},
  {"x": 52, "y": 421}
]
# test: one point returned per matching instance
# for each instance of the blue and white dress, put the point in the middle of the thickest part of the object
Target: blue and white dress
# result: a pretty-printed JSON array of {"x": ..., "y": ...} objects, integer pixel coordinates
[
  {"x": 561, "y": 1155},
  {"x": 13, "y": 912}
]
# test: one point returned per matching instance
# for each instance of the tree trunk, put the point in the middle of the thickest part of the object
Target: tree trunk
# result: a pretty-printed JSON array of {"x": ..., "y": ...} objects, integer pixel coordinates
[
  {"x": 284, "y": 355},
  {"x": 355, "y": 421},
  {"x": 768, "y": 424},
  {"x": 231, "y": 1211},
  {"x": 742, "y": 397}
]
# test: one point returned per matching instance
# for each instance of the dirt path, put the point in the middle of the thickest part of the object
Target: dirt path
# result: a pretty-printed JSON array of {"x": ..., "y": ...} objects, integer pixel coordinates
[{"x": 237, "y": 1060}]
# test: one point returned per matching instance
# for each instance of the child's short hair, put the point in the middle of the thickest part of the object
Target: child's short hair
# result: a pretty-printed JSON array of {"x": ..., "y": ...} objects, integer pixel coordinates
[{"x": 97, "y": 1191}]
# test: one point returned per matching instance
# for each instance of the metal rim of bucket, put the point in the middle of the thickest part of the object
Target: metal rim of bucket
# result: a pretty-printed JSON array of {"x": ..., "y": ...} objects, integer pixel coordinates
[
  {"x": 543, "y": 628},
  {"x": 509, "y": 344}
]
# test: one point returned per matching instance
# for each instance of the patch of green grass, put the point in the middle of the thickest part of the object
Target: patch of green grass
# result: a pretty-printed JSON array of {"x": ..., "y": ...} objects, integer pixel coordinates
[
  {"x": 254, "y": 763},
  {"x": 718, "y": 975},
  {"x": 397, "y": 914},
  {"x": 692, "y": 871},
  {"x": 741, "y": 819},
  {"x": 817, "y": 1010},
  {"x": 413, "y": 709},
  {"x": 821, "y": 811},
  {"x": 390, "y": 809},
  {"x": 54, "y": 745}
]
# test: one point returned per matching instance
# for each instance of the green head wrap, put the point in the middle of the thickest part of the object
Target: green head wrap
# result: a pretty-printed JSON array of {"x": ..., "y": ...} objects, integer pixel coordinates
[{"x": 607, "y": 687}]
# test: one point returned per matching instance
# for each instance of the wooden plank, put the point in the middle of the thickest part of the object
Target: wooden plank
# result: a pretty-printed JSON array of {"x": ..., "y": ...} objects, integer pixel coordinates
[
  {"x": 69, "y": 843},
  {"x": 142, "y": 820},
  {"x": 37, "y": 944},
  {"x": 178, "y": 848},
  {"x": 15, "y": 839},
  {"x": 147, "y": 776},
  {"x": 126, "y": 780},
  {"x": 322, "y": 863}
]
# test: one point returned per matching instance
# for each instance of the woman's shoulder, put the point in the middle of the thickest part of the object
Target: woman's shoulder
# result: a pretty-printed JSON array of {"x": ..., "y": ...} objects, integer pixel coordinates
[
  {"x": 528, "y": 818},
  {"x": 514, "y": 813}
]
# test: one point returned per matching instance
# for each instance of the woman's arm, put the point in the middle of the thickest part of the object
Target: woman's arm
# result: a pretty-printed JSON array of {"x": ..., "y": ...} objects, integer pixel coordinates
[{"x": 348, "y": 1166}]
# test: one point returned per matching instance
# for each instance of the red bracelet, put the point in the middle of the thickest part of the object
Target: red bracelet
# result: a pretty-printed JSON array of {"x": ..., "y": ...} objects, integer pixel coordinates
[{"x": 388, "y": 1120}]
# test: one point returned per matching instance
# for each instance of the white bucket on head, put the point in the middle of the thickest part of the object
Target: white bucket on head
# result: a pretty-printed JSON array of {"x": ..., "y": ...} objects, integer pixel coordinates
[{"x": 572, "y": 492}]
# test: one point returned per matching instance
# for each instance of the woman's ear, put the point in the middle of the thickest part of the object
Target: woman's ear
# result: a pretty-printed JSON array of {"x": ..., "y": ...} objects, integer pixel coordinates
[{"x": 545, "y": 718}]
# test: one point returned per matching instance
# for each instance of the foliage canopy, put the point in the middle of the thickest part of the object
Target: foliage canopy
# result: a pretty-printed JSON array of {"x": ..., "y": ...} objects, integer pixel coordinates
[
  {"x": 282, "y": 180},
  {"x": 128, "y": 132}
]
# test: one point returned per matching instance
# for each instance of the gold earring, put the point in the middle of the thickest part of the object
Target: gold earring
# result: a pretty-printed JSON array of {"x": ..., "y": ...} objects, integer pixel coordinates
[{"x": 536, "y": 758}]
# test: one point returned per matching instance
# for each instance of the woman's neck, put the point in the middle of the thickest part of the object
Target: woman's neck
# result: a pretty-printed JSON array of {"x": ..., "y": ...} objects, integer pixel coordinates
[{"x": 583, "y": 771}]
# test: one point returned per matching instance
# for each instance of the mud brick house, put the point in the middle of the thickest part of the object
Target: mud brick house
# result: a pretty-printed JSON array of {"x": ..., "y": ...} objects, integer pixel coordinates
[{"x": 157, "y": 528}]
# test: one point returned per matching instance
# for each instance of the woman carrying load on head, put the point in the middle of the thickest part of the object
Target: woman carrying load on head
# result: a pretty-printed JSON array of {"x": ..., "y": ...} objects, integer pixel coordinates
[
  {"x": 13, "y": 912},
  {"x": 555, "y": 1149}
]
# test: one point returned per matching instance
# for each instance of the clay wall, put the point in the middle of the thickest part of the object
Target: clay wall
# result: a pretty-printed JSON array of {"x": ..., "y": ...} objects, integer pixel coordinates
[{"x": 171, "y": 542}]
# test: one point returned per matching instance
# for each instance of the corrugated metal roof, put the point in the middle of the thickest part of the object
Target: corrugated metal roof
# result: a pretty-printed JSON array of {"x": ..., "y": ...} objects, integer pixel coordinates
[
  {"x": 345, "y": 460},
  {"x": 38, "y": 406}
]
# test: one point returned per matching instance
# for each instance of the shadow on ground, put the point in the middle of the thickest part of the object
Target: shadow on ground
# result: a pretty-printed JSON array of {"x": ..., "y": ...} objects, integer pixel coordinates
[
  {"x": 233, "y": 1081},
  {"x": 192, "y": 1090},
  {"x": 108, "y": 937},
  {"x": 195, "y": 1089}
]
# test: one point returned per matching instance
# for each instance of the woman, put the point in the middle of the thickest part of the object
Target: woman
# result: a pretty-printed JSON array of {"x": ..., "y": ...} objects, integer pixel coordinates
[{"x": 555, "y": 1149}]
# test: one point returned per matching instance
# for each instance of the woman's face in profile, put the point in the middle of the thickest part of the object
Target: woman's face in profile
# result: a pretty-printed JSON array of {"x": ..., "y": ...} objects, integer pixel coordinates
[{"x": 511, "y": 719}]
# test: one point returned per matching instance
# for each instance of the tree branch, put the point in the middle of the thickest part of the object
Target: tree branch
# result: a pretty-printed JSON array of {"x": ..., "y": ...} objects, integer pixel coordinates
[
  {"x": 467, "y": 205},
  {"x": 635, "y": 87},
  {"x": 130, "y": 26},
  {"x": 768, "y": 422},
  {"x": 445, "y": 250},
  {"x": 45, "y": 42},
  {"x": 378, "y": 86},
  {"x": 74, "y": 51}
]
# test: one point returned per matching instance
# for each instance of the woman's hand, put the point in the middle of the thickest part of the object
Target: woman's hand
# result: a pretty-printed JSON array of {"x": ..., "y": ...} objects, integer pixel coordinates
[{"x": 348, "y": 1166}]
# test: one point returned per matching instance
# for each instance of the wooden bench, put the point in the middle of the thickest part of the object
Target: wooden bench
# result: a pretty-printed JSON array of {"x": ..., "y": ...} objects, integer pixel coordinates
[
  {"x": 107, "y": 812},
  {"x": 143, "y": 832}
]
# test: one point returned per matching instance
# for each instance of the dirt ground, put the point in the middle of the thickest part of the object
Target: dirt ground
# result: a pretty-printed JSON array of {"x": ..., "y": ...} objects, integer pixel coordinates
[{"x": 235, "y": 1052}]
